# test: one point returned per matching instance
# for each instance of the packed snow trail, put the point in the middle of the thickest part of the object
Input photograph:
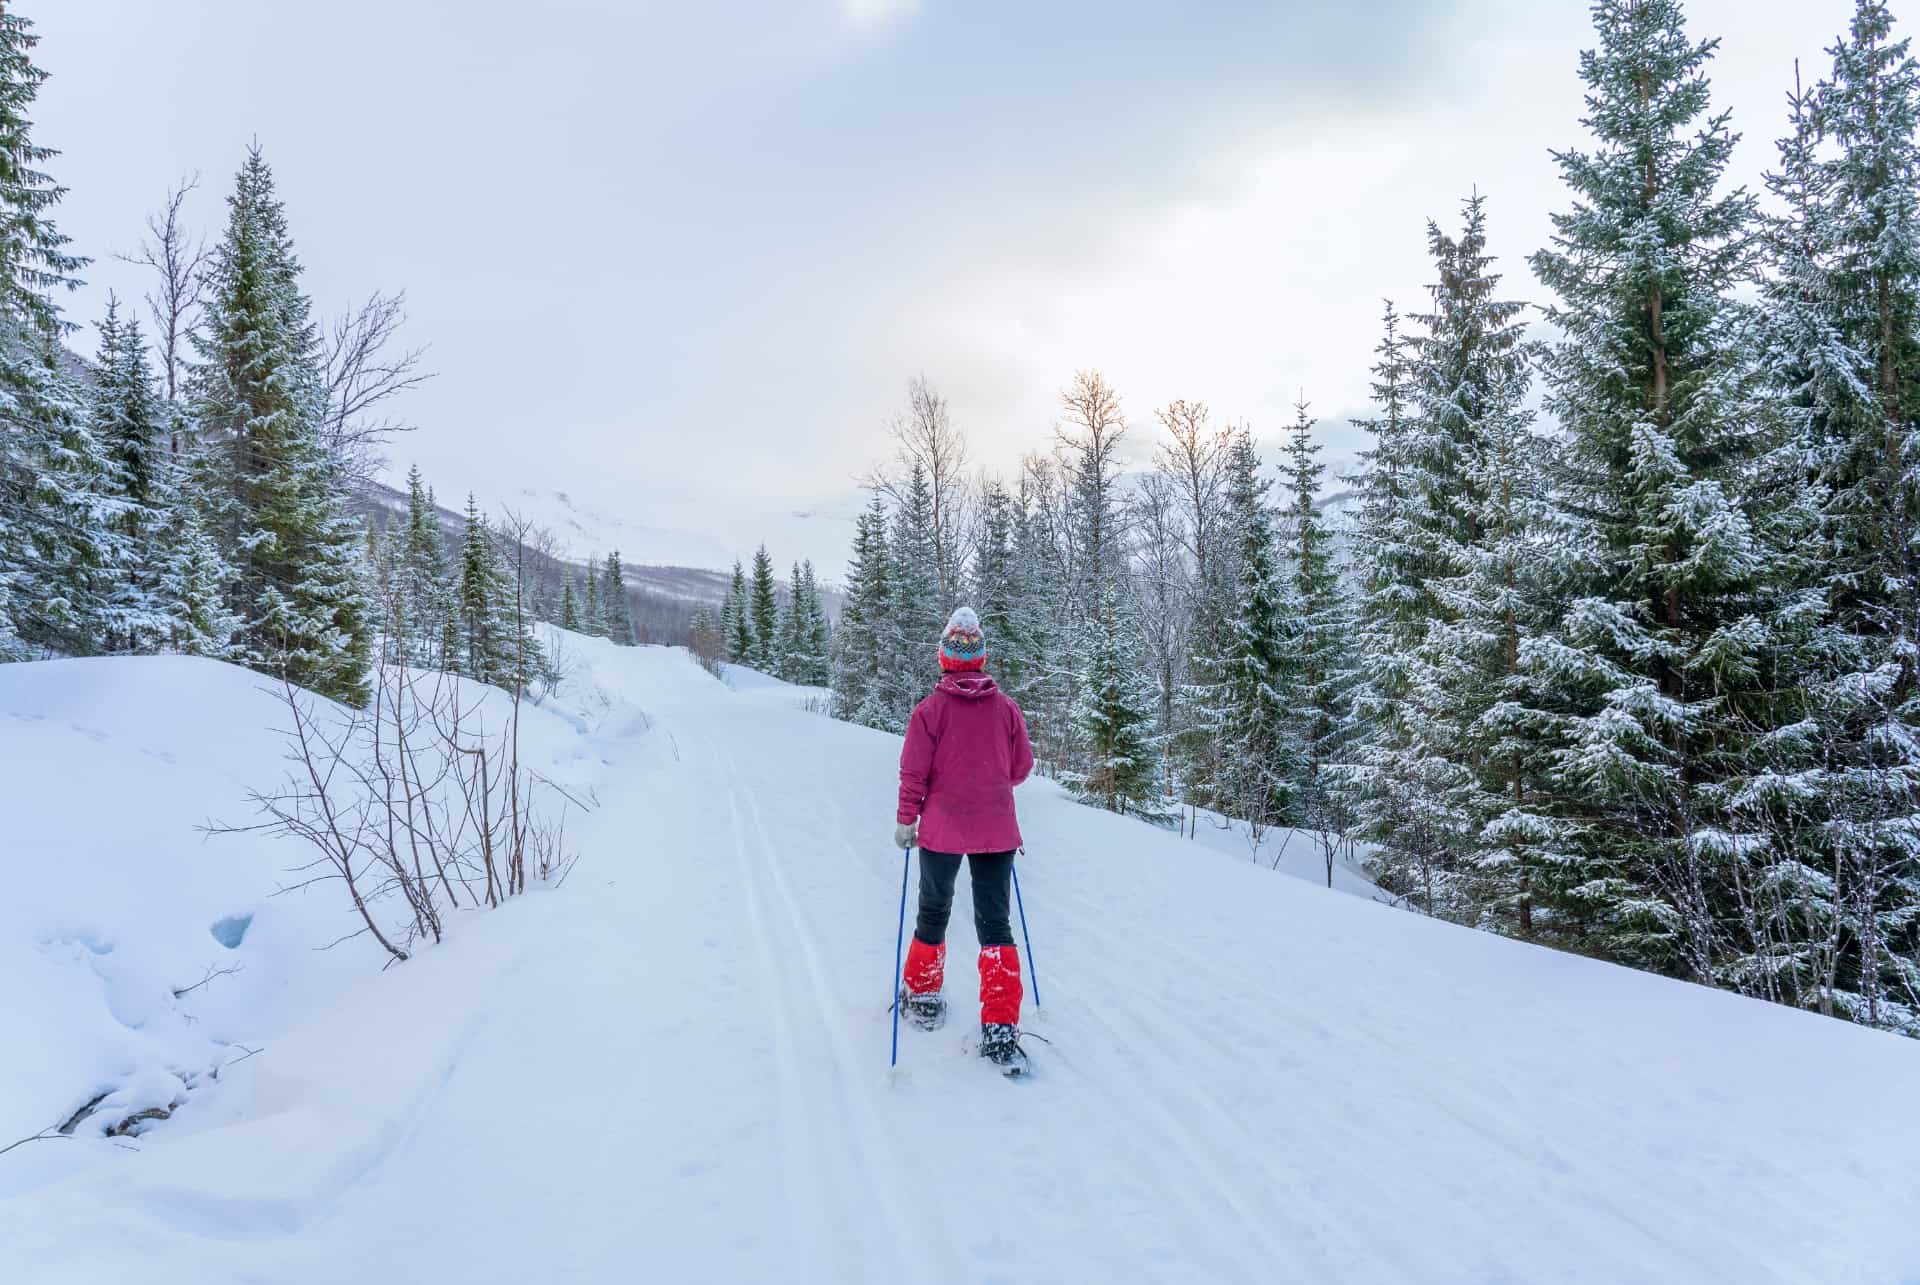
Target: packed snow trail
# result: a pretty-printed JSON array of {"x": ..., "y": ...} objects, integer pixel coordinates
[{"x": 674, "y": 1068}]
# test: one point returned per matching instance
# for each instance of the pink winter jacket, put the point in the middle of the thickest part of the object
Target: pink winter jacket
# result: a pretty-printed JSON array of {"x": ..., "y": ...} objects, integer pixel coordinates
[{"x": 966, "y": 749}]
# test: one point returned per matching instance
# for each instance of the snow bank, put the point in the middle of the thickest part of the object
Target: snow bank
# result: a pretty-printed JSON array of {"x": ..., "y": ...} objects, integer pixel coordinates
[{"x": 138, "y": 955}]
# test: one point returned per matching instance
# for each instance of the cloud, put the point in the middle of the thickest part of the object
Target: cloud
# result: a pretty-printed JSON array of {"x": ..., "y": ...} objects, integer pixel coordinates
[{"x": 868, "y": 14}]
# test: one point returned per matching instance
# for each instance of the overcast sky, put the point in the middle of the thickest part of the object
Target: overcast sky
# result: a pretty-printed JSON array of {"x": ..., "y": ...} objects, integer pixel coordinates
[{"x": 679, "y": 260}]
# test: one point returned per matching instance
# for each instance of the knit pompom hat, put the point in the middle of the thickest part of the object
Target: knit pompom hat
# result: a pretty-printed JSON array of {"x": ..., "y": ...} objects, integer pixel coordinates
[{"x": 963, "y": 648}]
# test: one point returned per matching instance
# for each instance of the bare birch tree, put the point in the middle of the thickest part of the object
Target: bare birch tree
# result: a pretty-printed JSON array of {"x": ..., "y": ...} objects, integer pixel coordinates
[
  {"x": 924, "y": 434},
  {"x": 179, "y": 259},
  {"x": 363, "y": 368}
]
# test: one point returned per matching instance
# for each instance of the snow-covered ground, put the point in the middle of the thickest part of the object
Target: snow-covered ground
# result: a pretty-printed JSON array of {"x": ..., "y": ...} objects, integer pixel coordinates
[{"x": 674, "y": 1067}]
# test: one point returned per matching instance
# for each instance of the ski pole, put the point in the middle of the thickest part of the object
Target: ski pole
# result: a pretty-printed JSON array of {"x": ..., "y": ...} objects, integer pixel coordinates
[
  {"x": 899, "y": 946},
  {"x": 1033, "y": 974}
]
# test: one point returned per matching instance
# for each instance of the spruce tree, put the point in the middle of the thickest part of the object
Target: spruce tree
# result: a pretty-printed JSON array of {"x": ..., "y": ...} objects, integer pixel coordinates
[
  {"x": 126, "y": 419},
  {"x": 993, "y": 563},
  {"x": 812, "y": 629},
  {"x": 64, "y": 520},
  {"x": 861, "y": 646},
  {"x": 1669, "y": 672},
  {"x": 1834, "y": 921},
  {"x": 1380, "y": 783},
  {"x": 915, "y": 622},
  {"x": 738, "y": 619},
  {"x": 450, "y": 650},
  {"x": 1248, "y": 708},
  {"x": 490, "y": 642},
  {"x": 423, "y": 577},
  {"x": 1030, "y": 652},
  {"x": 1471, "y": 675},
  {"x": 763, "y": 609},
  {"x": 257, "y": 395},
  {"x": 127, "y": 415},
  {"x": 786, "y": 632},
  {"x": 1467, "y": 379},
  {"x": 57, "y": 507},
  {"x": 593, "y": 613},
  {"x": 194, "y": 586},
  {"x": 619, "y": 612},
  {"x": 569, "y": 604},
  {"x": 1121, "y": 759},
  {"x": 34, "y": 261},
  {"x": 1320, "y": 662}
]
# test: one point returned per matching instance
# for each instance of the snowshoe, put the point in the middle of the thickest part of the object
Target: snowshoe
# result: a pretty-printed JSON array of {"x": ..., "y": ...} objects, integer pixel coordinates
[
  {"x": 1000, "y": 1045},
  {"x": 928, "y": 1011}
]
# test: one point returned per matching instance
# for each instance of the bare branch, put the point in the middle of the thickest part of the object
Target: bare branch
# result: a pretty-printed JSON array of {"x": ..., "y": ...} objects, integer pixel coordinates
[
  {"x": 180, "y": 260},
  {"x": 363, "y": 369}
]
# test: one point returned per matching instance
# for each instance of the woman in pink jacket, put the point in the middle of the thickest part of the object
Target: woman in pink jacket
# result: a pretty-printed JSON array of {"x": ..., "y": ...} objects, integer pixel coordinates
[{"x": 966, "y": 749}]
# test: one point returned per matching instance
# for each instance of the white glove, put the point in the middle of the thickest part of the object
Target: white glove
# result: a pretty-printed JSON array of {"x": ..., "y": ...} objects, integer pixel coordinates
[{"x": 905, "y": 836}]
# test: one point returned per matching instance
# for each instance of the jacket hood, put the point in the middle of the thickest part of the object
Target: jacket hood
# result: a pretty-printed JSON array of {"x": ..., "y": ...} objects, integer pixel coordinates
[{"x": 968, "y": 687}]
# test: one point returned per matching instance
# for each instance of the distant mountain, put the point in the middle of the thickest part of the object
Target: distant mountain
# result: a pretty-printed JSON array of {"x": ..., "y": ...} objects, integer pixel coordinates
[{"x": 663, "y": 598}]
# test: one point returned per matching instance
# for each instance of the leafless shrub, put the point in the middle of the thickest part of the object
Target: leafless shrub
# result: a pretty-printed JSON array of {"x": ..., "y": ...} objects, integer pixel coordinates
[{"x": 415, "y": 801}]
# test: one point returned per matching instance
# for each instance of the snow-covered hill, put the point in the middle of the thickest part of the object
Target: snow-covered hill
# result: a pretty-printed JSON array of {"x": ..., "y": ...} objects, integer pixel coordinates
[
  {"x": 675, "y": 576},
  {"x": 675, "y": 1066}
]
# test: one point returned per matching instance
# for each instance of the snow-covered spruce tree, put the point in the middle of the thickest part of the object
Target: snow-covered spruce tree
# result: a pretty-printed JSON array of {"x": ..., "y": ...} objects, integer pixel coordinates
[
  {"x": 860, "y": 644},
  {"x": 1470, "y": 680},
  {"x": 257, "y": 397},
  {"x": 127, "y": 415},
  {"x": 1033, "y": 654},
  {"x": 1834, "y": 922},
  {"x": 489, "y": 650},
  {"x": 423, "y": 571},
  {"x": 990, "y": 587},
  {"x": 530, "y": 664},
  {"x": 569, "y": 603},
  {"x": 63, "y": 545},
  {"x": 619, "y": 612},
  {"x": 1671, "y": 668},
  {"x": 1374, "y": 783},
  {"x": 34, "y": 261},
  {"x": 804, "y": 634},
  {"x": 128, "y": 422},
  {"x": 915, "y": 622},
  {"x": 593, "y": 615},
  {"x": 1005, "y": 588},
  {"x": 194, "y": 586},
  {"x": 1247, "y": 704},
  {"x": 382, "y": 556},
  {"x": 450, "y": 649},
  {"x": 1120, "y": 759},
  {"x": 763, "y": 609},
  {"x": 1467, "y": 378},
  {"x": 787, "y": 629},
  {"x": 816, "y": 629},
  {"x": 57, "y": 545},
  {"x": 738, "y": 619},
  {"x": 1320, "y": 665}
]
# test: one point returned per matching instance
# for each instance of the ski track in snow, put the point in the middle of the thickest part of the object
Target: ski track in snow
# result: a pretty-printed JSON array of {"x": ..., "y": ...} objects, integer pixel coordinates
[{"x": 675, "y": 1068}]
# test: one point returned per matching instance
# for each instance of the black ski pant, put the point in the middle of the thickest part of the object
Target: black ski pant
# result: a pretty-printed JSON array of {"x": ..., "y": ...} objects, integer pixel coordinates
[{"x": 992, "y": 894}]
